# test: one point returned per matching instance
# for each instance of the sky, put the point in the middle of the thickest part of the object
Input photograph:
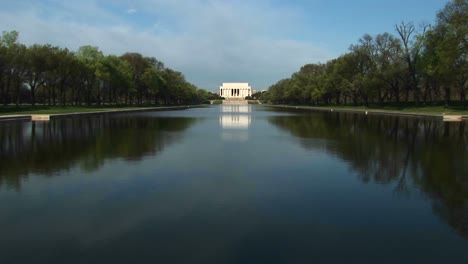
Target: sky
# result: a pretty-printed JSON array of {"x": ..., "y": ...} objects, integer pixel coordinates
[{"x": 209, "y": 41}]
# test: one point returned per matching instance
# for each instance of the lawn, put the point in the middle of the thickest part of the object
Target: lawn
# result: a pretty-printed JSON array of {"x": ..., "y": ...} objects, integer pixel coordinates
[
  {"x": 412, "y": 109},
  {"x": 40, "y": 109},
  {"x": 432, "y": 110}
]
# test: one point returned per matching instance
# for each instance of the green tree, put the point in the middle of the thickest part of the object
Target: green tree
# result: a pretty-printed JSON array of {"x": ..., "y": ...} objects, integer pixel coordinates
[
  {"x": 49, "y": 74},
  {"x": 119, "y": 82},
  {"x": 11, "y": 53},
  {"x": 95, "y": 73},
  {"x": 37, "y": 64},
  {"x": 138, "y": 64},
  {"x": 412, "y": 47},
  {"x": 66, "y": 65},
  {"x": 153, "y": 81},
  {"x": 446, "y": 54}
]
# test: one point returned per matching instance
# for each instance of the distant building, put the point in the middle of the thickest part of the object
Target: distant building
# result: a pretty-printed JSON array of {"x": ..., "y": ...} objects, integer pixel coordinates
[{"x": 235, "y": 90}]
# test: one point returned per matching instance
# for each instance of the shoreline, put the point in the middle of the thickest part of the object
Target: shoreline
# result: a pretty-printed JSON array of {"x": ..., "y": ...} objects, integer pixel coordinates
[
  {"x": 371, "y": 112},
  {"x": 46, "y": 117}
]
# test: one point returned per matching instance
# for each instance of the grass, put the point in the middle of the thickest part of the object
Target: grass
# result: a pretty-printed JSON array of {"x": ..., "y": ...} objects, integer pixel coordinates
[
  {"x": 433, "y": 110},
  {"x": 429, "y": 110},
  {"x": 41, "y": 109},
  {"x": 217, "y": 102}
]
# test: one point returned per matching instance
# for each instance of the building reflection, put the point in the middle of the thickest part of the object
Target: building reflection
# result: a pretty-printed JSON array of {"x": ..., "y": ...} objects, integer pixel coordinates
[
  {"x": 236, "y": 108},
  {"x": 235, "y": 121}
]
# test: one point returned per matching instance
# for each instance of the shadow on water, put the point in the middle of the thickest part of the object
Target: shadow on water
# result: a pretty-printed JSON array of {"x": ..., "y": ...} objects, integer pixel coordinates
[
  {"x": 48, "y": 148},
  {"x": 411, "y": 154}
]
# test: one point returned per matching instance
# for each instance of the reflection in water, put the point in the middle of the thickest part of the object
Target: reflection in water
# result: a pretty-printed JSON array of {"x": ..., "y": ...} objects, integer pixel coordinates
[
  {"x": 235, "y": 120},
  {"x": 49, "y": 147},
  {"x": 268, "y": 201},
  {"x": 236, "y": 108},
  {"x": 426, "y": 153}
]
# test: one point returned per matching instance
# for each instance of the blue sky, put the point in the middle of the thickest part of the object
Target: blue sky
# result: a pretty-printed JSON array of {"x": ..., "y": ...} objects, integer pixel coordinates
[{"x": 211, "y": 41}]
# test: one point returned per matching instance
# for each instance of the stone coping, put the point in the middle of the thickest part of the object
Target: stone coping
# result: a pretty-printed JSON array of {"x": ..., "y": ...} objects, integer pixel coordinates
[
  {"x": 46, "y": 117},
  {"x": 450, "y": 117}
]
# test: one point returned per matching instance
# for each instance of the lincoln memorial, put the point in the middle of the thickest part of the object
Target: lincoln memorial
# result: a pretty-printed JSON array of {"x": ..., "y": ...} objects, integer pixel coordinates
[{"x": 235, "y": 90}]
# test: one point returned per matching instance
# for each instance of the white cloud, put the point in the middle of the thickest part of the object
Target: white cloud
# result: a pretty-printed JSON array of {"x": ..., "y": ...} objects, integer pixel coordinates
[{"x": 209, "y": 41}]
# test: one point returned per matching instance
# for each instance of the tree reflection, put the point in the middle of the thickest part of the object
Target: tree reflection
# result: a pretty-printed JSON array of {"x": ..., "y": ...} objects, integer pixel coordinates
[
  {"x": 50, "y": 147},
  {"x": 406, "y": 152}
]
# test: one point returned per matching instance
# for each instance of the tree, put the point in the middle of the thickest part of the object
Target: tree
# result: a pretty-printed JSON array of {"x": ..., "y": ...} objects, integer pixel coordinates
[
  {"x": 36, "y": 59},
  {"x": 412, "y": 47},
  {"x": 18, "y": 71},
  {"x": 67, "y": 65},
  {"x": 9, "y": 38},
  {"x": 138, "y": 64},
  {"x": 4, "y": 67},
  {"x": 153, "y": 81},
  {"x": 49, "y": 74},
  {"x": 384, "y": 68},
  {"x": 94, "y": 74},
  {"x": 119, "y": 83},
  {"x": 446, "y": 53},
  {"x": 10, "y": 52}
]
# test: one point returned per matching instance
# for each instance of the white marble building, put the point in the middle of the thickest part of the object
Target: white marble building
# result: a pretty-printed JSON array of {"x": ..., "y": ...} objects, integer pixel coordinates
[{"x": 235, "y": 90}]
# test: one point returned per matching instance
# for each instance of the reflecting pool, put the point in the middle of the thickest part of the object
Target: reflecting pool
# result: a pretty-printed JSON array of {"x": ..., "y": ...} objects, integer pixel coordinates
[{"x": 234, "y": 184}]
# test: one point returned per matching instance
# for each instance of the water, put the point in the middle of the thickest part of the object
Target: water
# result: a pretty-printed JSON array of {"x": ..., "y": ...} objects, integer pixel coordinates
[{"x": 234, "y": 184}]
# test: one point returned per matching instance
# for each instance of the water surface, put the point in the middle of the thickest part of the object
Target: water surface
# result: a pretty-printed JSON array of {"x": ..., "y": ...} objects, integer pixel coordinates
[{"x": 234, "y": 184}]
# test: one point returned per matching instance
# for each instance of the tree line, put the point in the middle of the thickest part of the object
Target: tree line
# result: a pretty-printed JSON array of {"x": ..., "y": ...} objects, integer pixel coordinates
[
  {"x": 51, "y": 75},
  {"x": 419, "y": 64}
]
